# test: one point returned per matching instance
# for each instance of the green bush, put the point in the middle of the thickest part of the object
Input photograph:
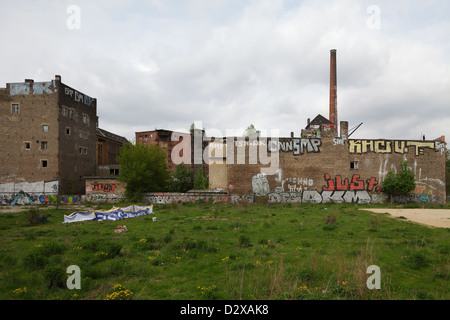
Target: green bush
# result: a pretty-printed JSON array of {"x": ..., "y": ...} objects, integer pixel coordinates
[
  {"x": 54, "y": 276},
  {"x": 33, "y": 217},
  {"x": 39, "y": 256},
  {"x": 417, "y": 260},
  {"x": 244, "y": 241},
  {"x": 35, "y": 260}
]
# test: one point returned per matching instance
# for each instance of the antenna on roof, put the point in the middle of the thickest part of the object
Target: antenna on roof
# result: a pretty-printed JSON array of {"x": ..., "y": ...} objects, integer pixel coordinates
[{"x": 354, "y": 129}]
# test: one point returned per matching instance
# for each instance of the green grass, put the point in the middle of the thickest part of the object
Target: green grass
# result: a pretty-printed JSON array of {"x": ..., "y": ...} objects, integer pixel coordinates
[{"x": 224, "y": 251}]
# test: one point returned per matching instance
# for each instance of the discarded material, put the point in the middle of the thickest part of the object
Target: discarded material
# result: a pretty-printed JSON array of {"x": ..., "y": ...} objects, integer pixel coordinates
[
  {"x": 120, "y": 229},
  {"x": 115, "y": 213}
]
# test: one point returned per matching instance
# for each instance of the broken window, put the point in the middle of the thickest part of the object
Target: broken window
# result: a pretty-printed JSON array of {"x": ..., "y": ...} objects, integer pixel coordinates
[
  {"x": 27, "y": 145},
  {"x": 354, "y": 165},
  {"x": 43, "y": 145},
  {"x": 64, "y": 111},
  {"x": 44, "y": 163}
]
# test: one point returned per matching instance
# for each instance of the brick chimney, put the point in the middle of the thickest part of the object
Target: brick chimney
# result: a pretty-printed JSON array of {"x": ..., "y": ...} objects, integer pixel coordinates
[{"x": 333, "y": 90}]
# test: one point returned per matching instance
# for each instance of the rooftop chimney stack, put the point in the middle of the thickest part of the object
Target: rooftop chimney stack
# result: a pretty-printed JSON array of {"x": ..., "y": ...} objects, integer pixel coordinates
[{"x": 333, "y": 90}]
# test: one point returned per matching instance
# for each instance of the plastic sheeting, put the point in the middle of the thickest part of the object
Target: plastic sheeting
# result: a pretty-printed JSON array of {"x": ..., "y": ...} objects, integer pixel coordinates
[{"x": 113, "y": 214}]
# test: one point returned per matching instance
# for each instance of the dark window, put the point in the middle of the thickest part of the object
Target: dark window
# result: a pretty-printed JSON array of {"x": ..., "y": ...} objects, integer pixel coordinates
[{"x": 15, "y": 108}]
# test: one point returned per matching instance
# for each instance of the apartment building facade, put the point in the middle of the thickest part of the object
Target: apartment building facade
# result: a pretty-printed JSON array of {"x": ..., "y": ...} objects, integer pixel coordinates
[{"x": 48, "y": 135}]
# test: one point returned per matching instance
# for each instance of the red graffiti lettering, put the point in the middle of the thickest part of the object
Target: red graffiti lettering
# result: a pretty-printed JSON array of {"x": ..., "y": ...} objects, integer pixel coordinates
[
  {"x": 356, "y": 184},
  {"x": 339, "y": 185},
  {"x": 104, "y": 187},
  {"x": 330, "y": 183},
  {"x": 371, "y": 183}
]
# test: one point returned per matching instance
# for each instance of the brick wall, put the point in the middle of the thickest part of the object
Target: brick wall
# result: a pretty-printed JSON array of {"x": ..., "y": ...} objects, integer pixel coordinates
[
  {"x": 335, "y": 169},
  {"x": 29, "y": 150}
]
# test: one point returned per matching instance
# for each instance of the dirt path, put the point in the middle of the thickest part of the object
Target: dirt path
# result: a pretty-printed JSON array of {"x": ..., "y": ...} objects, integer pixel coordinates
[
  {"x": 431, "y": 217},
  {"x": 19, "y": 208}
]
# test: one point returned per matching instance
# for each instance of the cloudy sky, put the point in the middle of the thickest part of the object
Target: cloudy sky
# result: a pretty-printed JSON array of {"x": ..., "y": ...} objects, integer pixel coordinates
[{"x": 226, "y": 64}]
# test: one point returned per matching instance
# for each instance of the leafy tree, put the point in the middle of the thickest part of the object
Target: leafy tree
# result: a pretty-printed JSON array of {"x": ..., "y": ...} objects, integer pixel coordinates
[
  {"x": 143, "y": 168},
  {"x": 201, "y": 181},
  {"x": 182, "y": 179},
  {"x": 250, "y": 132},
  {"x": 401, "y": 182}
]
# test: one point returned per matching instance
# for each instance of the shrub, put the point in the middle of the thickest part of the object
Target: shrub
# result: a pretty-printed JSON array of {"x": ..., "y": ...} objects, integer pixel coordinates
[
  {"x": 401, "y": 182},
  {"x": 244, "y": 241},
  {"x": 51, "y": 248},
  {"x": 417, "y": 260},
  {"x": 39, "y": 256},
  {"x": 33, "y": 217},
  {"x": 329, "y": 227},
  {"x": 54, "y": 276},
  {"x": 35, "y": 260}
]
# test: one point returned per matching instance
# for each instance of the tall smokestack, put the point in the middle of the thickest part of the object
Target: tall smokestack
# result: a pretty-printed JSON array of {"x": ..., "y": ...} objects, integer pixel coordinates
[{"x": 333, "y": 90}]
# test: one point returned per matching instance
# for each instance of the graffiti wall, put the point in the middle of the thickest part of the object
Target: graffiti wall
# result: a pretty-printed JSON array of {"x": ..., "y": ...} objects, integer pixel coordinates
[
  {"x": 79, "y": 97},
  {"x": 168, "y": 197},
  {"x": 330, "y": 168},
  {"x": 33, "y": 88},
  {"x": 23, "y": 198},
  {"x": 104, "y": 185},
  {"x": 390, "y": 146},
  {"x": 295, "y": 145},
  {"x": 336, "y": 189}
]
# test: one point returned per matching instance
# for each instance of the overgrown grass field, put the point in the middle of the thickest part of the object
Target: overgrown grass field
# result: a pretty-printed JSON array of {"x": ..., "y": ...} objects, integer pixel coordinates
[{"x": 224, "y": 251}]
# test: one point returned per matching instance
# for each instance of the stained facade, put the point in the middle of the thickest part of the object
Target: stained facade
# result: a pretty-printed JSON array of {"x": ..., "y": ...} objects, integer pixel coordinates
[
  {"x": 108, "y": 149},
  {"x": 48, "y": 132},
  {"x": 180, "y": 147},
  {"x": 329, "y": 168}
]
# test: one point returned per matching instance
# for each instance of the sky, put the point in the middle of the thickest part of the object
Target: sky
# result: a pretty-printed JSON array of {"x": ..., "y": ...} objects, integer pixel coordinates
[{"x": 227, "y": 64}]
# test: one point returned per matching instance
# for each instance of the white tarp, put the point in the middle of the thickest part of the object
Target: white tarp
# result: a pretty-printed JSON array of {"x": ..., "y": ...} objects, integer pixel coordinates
[{"x": 115, "y": 213}]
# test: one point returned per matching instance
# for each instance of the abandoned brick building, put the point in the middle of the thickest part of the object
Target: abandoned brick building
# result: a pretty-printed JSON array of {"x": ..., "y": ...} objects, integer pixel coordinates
[
  {"x": 180, "y": 147},
  {"x": 108, "y": 147},
  {"x": 321, "y": 164},
  {"x": 49, "y": 138}
]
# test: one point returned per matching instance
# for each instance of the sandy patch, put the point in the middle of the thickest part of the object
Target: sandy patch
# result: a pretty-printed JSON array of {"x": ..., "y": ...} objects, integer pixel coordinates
[{"x": 431, "y": 217}]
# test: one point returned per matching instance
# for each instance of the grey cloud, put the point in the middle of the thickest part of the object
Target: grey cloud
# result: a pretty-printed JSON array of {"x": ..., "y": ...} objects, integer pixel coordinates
[{"x": 157, "y": 64}]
